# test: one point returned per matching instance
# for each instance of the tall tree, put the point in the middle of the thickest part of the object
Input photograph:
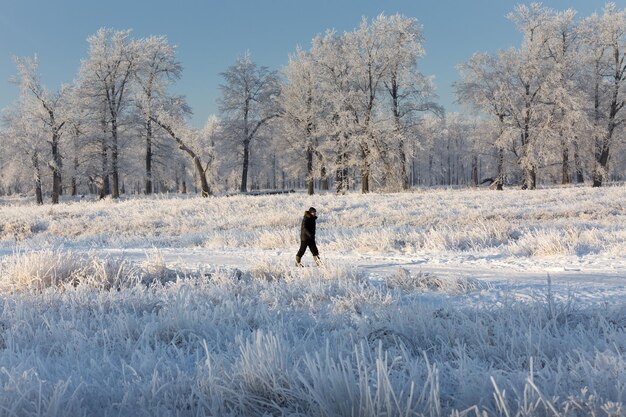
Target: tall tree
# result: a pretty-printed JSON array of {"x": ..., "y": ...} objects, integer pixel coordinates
[
  {"x": 300, "y": 109},
  {"x": 107, "y": 72},
  {"x": 527, "y": 82},
  {"x": 79, "y": 121},
  {"x": 24, "y": 143},
  {"x": 247, "y": 104},
  {"x": 45, "y": 108},
  {"x": 566, "y": 118},
  {"x": 606, "y": 46},
  {"x": 338, "y": 124},
  {"x": 367, "y": 53},
  {"x": 410, "y": 93},
  {"x": 156, "y": 68},
  {"x": 170, "y": 116},
  {"x": 483, "y": 86}
]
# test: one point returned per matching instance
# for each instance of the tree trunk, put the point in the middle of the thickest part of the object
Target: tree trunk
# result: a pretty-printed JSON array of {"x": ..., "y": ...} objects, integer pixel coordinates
[
  {"x": 578, "y": 165},
  {"x": 365, "y": 170},
  {"x": 596, "y": 175},
  {"x": 565, "y": 177},
  {"x": 430, "y": 170},
  {"x": 403, "y": 164},
  {"x": 148, "y": 184},
  {"x": 530, "y": 178},
  {"x": 475, "y": 171},
  {"x": 246, "y": 162},
  {"x": 37, "y": 179},
  {"x": 365, "y": 180},
  {"x": 115, "y": 186},
  {"x": 246, "y": 150},
  {"x": 74, "y": 189},
  {"x": 76, "y": 165},
  {"x": 341, "y": 173},
  {"x": 394, "y": 91},
  {"x": 601, "y": 168},
  {"x": 105, "y": 184},
  {"x": 500, "y": 179},
  {"x": 324, "y": 184},
  {"x": 274, "y": 181},
  {"x": 200, "y": 171},
  {"x": 602, "y": 154},
  {"x": 204, "y": 184},
  {"x": 56, "y": 168},
  {"x": 528, "y": 168},
  {"x": 309, "y": 170},
  {"x": 449, "y": 172}
]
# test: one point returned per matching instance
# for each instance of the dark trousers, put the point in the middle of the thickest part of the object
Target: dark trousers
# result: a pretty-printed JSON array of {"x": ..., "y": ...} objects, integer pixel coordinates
[{"x": 311, "y": 245}]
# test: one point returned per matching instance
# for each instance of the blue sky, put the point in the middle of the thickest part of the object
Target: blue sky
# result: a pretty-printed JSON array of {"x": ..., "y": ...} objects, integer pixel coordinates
[{"x": 211, "y": 34}]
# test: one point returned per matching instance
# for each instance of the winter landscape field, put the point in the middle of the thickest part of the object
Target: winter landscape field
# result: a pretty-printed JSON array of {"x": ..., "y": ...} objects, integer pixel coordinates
[
  {"x": 436, "y": 303},
  {"x": 160, "y": 166}
]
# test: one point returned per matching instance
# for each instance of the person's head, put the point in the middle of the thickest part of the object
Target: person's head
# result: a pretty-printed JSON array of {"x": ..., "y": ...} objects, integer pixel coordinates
[{"x": 312, "y": 211}]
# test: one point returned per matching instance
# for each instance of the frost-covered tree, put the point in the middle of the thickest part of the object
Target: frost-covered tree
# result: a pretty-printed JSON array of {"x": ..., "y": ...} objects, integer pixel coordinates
[
  {"x": 567, "y": 119},
  {"x": 371, "y": 95},
  {"x": 107, "y": 74},
  {"x": 24, "y": 147},
  {"x": 205, "y": 143},
  {"x": 410, "y": 93},
  {"x": 90, "y": 117},
  {"x": 527, "y": 84},
  {"x": 247, "y": 104},
  {"x": 563, "y": 85},
  {"x": 155, "y": 70},
  {"x": 338, "y": 125},
  {"x": 80, "y": 121},
  {"x": 483, "y": 87},
  {"x": 171, "y": 117},
  {"x": 366, "y": 50},
  {"x": 44, "y": 109},
  {"x": 302, "y": 110},
  {"x": 605, "y": 47}
]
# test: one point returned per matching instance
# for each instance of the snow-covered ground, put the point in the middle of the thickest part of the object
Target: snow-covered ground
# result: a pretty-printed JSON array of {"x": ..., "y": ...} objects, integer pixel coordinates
[{"x": 428, "y": 303}]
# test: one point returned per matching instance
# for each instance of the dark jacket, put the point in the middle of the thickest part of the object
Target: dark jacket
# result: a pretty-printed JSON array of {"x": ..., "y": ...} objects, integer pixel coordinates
[{"x": 307, "y": 230}]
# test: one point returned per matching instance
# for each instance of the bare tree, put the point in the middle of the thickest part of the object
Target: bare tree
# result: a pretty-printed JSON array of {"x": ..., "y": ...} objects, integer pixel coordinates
[
  {"x": 107, "y": 73},
  {"x": 300, "y": 110},
  {"x": 155, "y": 70},
  {"x": 23, "y": 143},
  {"x": 606, "y": 45},
  {"x": 410, "y": 93},
  {"x": 44, "y": 107},
  {"x": 247, "y": 104},
  {"x": 170, "y": 116}
]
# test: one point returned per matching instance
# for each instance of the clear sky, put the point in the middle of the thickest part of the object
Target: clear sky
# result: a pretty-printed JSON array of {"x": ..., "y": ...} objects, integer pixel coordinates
[{"x": 211, "y": 34}]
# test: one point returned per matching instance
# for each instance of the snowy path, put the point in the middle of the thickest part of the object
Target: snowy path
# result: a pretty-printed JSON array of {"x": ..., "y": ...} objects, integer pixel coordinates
[{"x": 589, "y": 279}]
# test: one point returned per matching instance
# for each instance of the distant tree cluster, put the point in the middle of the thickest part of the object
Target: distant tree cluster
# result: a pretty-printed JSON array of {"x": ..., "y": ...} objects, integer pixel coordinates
[
  {"x": 351, "y": 112},
  {"x": 555, "y": 104},
  {"x": 114, "y": 130}
]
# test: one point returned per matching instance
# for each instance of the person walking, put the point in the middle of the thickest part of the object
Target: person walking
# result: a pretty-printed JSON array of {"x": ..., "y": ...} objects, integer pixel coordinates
[{"x": 307, "y": 237}]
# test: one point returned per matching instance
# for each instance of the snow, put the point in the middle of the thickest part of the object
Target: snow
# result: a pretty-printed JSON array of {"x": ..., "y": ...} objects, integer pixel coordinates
[{"x": 428, "y": 303}]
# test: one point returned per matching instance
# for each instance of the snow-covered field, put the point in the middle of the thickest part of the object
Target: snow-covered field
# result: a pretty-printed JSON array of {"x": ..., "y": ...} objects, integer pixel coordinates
[{"x": 439, "y": 302}]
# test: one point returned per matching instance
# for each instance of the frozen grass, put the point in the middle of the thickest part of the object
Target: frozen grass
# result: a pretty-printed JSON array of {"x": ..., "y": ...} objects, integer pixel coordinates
[
  {"x": 283, "y": 341},
  {"x": 36, "y": 271},
  {"x": 424, "y": 281},
  {"x": 85, "y": 334},
  {"x": 560, "y": 221}
]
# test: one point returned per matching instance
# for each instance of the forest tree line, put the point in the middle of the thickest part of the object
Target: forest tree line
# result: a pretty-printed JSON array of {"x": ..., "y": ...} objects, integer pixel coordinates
[{"x": 353, "y": 111}]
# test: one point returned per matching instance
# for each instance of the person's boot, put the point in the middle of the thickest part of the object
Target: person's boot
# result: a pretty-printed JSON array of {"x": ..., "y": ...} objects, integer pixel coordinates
[
  {"x": 317, "y": 260},
  {"x": 298, "y": 258}
]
